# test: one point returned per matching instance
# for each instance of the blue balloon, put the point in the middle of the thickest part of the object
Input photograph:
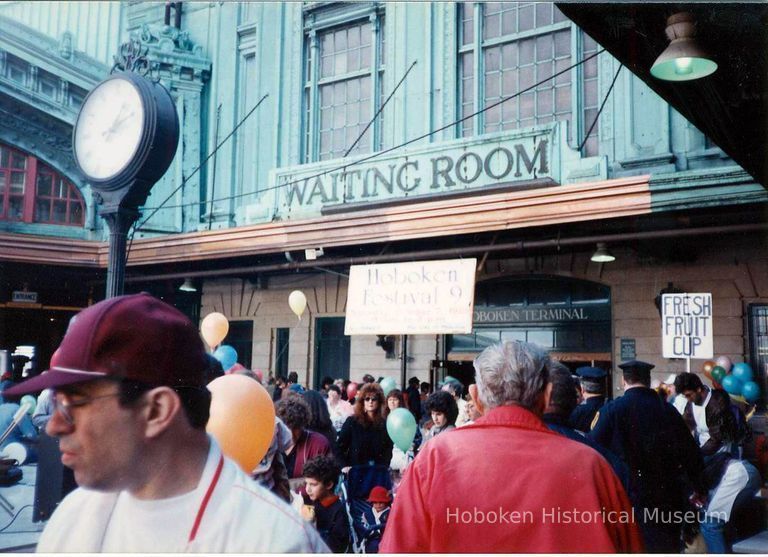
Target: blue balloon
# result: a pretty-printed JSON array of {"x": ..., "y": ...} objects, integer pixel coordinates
[
  {"x": 387, "y": 384},
  {"x": 750, "y": 391},
  {"x": 731, "y": 385},
  {"x": 401, "y": 427},
  {"x": 742, "y": 371},
  {"x": 226, "y": 355}
]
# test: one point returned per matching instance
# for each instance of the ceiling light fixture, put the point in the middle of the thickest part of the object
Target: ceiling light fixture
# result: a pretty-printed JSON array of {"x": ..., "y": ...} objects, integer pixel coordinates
[
  {"x": 602, "y": 255},
  {"x": 683, "y": 59},
  {"x": 188, "y": 286}
]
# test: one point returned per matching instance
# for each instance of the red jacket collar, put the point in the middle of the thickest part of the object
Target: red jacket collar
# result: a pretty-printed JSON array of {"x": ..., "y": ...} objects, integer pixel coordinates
[
  {"x": 511, "y": 415},
  {"x": 328, "y": 501}
]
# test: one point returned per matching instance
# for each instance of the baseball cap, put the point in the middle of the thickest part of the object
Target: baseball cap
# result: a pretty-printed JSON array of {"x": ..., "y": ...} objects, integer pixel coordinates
[
  {"x": 379, "y": 494},
  {"x": 135, "y": 337}
]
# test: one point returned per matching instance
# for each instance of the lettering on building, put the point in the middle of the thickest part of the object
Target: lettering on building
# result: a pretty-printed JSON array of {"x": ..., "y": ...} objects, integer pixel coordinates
[{"x": 450, "y": 167}]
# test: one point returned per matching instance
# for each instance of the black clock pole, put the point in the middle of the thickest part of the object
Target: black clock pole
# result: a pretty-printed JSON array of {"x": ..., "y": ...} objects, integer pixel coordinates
[
  {"x": 119, "y": 223},
  {"x": 119, "y": 196}
]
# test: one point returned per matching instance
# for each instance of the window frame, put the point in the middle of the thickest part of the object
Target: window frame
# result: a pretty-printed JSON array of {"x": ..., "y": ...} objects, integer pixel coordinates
[
  {"x": 477, "y": 46},
  {"x": 34, "y": 168},
  {"x": 324, "y": 20}
]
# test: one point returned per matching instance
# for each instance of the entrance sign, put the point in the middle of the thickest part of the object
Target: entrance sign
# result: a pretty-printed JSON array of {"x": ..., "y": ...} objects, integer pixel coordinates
[
  {"x": 24, "y": 297},
  {"x": 424, "y": 297},
  {"x": 686, "y": 326}
]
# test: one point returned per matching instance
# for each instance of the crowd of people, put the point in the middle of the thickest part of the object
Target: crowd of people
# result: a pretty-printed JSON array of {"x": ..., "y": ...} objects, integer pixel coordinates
[{"x": 528, "y": 458}]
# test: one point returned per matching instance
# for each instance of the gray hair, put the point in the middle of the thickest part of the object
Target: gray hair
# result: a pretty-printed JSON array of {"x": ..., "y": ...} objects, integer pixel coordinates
[
  {"x": 512, "y": 372},
  {"x": 593, "y": 387}
]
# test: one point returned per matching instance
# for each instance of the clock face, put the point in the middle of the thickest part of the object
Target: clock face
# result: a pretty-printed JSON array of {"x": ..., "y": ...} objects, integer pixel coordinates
[{"x": 109, "y": 129}]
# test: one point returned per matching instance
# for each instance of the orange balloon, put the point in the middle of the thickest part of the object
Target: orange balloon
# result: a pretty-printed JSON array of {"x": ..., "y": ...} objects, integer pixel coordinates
[
  {"x": 707, "y": 368},
  {"x": 242, "y": 419},
  {"x": 214, "y": 328}
]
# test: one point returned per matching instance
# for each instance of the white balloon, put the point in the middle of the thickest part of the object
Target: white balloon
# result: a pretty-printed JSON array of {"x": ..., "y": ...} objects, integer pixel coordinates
[{"x": 298, "y": 302}]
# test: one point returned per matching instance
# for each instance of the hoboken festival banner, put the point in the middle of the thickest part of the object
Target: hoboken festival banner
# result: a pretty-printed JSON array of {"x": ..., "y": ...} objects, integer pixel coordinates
[{"x": 425, "y": 297}]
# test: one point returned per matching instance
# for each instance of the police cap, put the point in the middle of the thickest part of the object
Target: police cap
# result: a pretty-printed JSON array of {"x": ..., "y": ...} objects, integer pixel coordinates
[
  {"x": 591, "y": 373},
  {"x": 637, "y": 366}
]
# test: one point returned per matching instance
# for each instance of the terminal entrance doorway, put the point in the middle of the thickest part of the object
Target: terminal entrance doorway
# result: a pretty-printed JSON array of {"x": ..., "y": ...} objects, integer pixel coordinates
[{"x": 570, "y": 318}]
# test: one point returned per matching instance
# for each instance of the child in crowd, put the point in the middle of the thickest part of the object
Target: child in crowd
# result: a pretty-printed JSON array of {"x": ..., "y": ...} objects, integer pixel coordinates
[
  {"x": 320, "y": 476},
  {"x": 375, "y": 519}
]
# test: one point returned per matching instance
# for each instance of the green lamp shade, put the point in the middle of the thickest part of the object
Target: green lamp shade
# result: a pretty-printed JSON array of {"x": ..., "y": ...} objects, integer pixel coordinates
[
  {"x": 684, "y": 68},
  {"x": 684, "y": 59}
]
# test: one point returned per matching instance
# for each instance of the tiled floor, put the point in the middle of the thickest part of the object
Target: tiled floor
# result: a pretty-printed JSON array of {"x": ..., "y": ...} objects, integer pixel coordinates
[{"x": 18, "y": 534}]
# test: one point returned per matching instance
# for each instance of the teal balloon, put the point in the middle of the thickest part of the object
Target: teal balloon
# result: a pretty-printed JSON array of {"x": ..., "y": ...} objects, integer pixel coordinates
[
  {"x": 750, "y": 391},
  {"x": 401, "y": 427},
  {"x": 731, "y": 384},
  {"x": 32, "y": 403},
  {"x": 718, "y": 372},
  {"x": 742, "y": 371},
  {"x": 387, "y": 384},
  {"x": 226, "y": 355}
]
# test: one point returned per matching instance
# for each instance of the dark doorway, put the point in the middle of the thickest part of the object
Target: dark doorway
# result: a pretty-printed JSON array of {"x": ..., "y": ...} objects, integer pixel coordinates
[
  {"x": 282, "y": 339},
  {"x": 331, "y": 349},
  {"x": 240, "y": 337},
  {"x": 40, "y": 328},
  {"x": 758, "y": 347}
]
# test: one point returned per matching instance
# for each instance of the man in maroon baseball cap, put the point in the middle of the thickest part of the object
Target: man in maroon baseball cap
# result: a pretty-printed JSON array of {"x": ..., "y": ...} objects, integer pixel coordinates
[{"x": 130, "y": 410}]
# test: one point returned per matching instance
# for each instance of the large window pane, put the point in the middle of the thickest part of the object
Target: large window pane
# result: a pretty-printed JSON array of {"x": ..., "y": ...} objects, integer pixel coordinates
[
  {"x": 523, "y": 52},
  {"x": 344, "y": 94}
]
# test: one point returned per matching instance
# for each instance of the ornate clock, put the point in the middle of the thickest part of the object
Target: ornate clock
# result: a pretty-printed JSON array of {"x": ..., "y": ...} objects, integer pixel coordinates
[{"x": 125, "y": 138}]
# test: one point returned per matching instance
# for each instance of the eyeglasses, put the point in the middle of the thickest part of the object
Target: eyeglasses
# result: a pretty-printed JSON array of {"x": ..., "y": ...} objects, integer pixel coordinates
[
  {"x": 371, "y": 399},
  {"x": 63, "y": 404}
]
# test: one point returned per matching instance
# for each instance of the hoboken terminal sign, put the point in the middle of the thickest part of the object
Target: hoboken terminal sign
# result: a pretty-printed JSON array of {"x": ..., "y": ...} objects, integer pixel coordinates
[
  {"x": 449, "y": 167},
  {"x": 483, "y": 315}
]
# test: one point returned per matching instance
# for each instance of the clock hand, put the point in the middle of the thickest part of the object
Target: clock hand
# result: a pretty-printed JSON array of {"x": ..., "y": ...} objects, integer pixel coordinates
[{"x": 115, "y": 124}]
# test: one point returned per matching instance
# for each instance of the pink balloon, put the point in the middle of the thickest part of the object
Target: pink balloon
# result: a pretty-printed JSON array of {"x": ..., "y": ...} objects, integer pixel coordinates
[
  {"x": 235, "y": 368},
  {"x": 724, "y": 362},
  {"x": 259, "y": 374}
]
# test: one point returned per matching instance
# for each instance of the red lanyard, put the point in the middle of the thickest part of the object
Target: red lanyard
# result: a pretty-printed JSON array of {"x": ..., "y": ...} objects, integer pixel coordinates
[{"x": 206, "y": 499}]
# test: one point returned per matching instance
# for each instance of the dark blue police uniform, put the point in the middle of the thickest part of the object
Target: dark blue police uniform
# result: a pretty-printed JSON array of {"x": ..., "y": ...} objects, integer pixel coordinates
[
  {"x": 582, "y": 416},
  {"x": 664, "y": 462}
]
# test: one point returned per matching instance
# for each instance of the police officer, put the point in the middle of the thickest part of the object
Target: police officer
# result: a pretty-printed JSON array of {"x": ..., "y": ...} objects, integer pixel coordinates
[
  {"x": 663, "y": 460},
  {"x": 592, "y": 384}
]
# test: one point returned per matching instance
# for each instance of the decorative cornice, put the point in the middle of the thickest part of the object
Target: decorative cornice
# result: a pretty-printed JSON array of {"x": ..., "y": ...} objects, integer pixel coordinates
[
  {"x": 712, "y": 187},
  {"x": 171, "y": 54},
  {"x": 167, "y": 39},
  {"x": 55, "y": 56},
  {"x": 435, "y": 219}
]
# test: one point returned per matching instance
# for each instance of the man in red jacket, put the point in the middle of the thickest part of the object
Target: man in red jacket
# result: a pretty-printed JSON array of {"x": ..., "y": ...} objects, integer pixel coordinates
[{"x": 507, "y": 484}]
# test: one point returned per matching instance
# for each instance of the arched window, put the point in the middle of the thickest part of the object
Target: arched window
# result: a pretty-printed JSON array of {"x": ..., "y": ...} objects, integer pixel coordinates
[{"x": 32, "y": 192}]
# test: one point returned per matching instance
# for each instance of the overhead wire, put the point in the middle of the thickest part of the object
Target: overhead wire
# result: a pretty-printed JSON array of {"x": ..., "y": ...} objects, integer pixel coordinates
[{"x": 396, "y": 147}]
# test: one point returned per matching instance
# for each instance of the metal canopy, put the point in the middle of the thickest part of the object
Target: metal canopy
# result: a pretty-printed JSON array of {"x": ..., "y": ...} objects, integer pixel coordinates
[{"x": 731, "y": 105}]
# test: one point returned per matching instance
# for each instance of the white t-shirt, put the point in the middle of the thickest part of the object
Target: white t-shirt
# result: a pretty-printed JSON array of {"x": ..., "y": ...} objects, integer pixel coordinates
[
  {"x": 240, "y": 517},
  {"x": 699, "y": 416},
  {"x": 139, "y": 526}
]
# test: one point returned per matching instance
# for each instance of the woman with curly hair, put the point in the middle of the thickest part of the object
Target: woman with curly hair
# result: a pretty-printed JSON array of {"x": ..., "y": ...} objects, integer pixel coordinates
[
  {"x": 295, "y": 413},
  {"x": 444, "y": 411},
  {"x": 363, "y": 438}
]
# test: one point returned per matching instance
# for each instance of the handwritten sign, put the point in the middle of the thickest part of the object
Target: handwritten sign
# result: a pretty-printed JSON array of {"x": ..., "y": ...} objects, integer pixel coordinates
[
  {"x": 426, "y": 297},
  {"x": 686, "y": 325}
]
